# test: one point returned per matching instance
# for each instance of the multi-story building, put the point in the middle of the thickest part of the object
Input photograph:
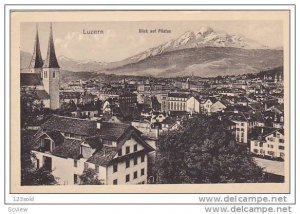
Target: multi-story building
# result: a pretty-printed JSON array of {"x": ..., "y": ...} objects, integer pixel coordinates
[
  {"x": 268, "y": 142},
  {"x": 67, "y": 146},
  {"x": 177, "y": 101},
  {"x": 244, "y": 125}
]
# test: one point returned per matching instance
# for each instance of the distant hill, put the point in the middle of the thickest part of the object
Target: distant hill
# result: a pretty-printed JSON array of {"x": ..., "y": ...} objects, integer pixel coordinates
[{"x": 204, "y": 62}]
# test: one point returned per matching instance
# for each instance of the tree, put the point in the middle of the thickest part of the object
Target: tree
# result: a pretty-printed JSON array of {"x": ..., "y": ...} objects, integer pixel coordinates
[
  {"x": 90, "y": 177},
  {"x": 31, "y": 106},
  {"x": 204, "y": 151}
]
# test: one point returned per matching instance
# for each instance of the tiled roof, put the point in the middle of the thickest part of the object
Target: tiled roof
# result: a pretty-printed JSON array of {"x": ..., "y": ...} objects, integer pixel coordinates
[
  {"x": 104, "y": 156},
  {"x": 71, "y": 125},
  {"x": 261, "y": 131},
  {"x": 70, "y": 148},
  {"x": 56, "y": 136},
  {"x": 112, "y": 131},
  {"x": 30, "y": 79}
]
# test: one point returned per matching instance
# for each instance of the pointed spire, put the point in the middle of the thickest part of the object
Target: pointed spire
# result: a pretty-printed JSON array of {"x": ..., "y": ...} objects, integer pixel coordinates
[
  {"x": 51, "y": 60},
  {"x": 36, "y": 60}
]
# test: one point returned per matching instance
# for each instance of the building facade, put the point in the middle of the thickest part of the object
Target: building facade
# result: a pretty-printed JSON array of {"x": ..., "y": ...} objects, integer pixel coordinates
[{"x": 68, "y": 146}]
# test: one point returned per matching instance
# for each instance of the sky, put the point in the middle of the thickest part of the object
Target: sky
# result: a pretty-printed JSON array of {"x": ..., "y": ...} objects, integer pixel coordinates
[{"x": 122, "y": 39}]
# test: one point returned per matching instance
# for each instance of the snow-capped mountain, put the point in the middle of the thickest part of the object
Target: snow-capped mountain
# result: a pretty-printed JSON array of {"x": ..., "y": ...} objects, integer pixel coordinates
[
  {"x": 204, "y": 37},
  {"x": 80, "y": 65}
]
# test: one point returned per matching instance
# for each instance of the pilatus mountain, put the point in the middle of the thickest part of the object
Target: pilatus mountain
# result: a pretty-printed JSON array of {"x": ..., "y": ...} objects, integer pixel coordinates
[{"x": 203, "y": 52}]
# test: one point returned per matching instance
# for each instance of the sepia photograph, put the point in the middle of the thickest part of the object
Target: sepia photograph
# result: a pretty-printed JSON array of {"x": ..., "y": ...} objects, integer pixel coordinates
[{"x": 192, "y": 101}]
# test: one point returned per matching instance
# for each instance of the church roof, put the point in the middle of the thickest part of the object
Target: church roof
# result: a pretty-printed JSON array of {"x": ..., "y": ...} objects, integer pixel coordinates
[
  {"x": 36, "y": 60},
  {"x": 30, "y": 79},
  {"x": 51, "y": 60}
]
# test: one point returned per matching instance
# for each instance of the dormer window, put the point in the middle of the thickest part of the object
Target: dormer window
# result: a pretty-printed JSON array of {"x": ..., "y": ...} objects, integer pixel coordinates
[{"x": 46, "y": 145}]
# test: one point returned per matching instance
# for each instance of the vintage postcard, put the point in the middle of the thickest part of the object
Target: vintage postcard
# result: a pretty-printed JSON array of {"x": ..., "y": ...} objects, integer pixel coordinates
[{"x": 150, "y": 102}]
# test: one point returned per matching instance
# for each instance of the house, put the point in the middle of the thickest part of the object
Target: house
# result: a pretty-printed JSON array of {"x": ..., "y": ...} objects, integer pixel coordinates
[
  {"x": 217, "y": 106},
  {"x": 177, "y": 101},
  {"x": 207, "y": 104},
  {"x": 244, "y": 125},
  {"x": 68, "y": 146},
  {"x": 268, "y": 142},
  {"x": 70, "y": 96},
  {"x": 193, "y": 105}
]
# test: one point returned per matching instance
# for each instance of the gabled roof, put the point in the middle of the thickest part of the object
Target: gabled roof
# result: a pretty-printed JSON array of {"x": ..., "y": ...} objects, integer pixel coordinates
[
  {"x": 212, "y": 99},
  {"x": 70, "y": 148},
  {"x": 112, "y": 131},
  {"x": 56, "y": 136},
  {"x": 104, "y": 156},
  {"x": 71, "y": 125},
  {"x": 261, "y": 131},
  {"x": 30, "y": 79}
]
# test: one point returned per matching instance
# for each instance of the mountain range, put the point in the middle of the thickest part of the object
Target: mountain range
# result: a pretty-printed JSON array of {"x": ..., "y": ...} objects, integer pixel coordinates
[{"x": 203, "y": 52}]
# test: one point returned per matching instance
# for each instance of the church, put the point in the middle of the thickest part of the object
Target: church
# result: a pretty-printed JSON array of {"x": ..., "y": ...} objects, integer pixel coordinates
[{"x": 42, "y": 77}]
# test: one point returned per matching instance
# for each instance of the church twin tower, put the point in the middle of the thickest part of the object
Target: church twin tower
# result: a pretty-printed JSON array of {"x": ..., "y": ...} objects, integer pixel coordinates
[{"x": 49, "y": 69}]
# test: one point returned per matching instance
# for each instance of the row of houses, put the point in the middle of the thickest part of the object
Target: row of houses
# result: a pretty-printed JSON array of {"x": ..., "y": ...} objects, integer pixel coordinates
[{"x": 67, "y": 146}]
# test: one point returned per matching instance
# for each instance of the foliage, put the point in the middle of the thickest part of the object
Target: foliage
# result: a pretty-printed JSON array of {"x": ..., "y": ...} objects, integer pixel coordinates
[
  {"x": 31, "y": 107},
  {"x": 90, "y": 177},
  {"x": 204, "y": 151},
  {"x": 67, "y": 108}
]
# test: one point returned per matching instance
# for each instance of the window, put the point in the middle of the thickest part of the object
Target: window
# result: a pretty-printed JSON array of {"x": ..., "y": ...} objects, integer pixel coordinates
[
  {"x": 97, "y": 168},
  {"x": 255, "y": 144},
  {"x": 128, "y": 163},
  {"x": 271, "y": 139},
  {"x": 120, "y": 152},
  {"x": 115, "y": 182},
  {"x": 135, "y": 161},
  {"x": 281, "y": 147},
  {"x": 135, "y": 148},
  {"x": 142, "y": 172},
  {"x": 127, "y": 178},
  {"x": 115, "y": 167},
  {"x": 242, "y": 124},
  {"x": 75, "y": 163},
  {"x": 86, "y": 165},
  {"x": 135, "y": 175},
  {"x": 53, "y": 74},
  {"x": 271, "y": 146},
  {"x": 45, "y": 74},
  {"x": 143, "y": 158},
  {"x": 255, "y": 151},
  {"x": 127, "y": 150},
  {"x": 281, "y": 140}
]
